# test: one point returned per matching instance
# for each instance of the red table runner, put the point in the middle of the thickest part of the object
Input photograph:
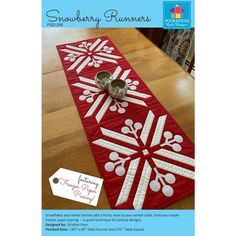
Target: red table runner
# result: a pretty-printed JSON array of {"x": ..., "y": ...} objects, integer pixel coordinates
[{"x": 144, "y": 157}]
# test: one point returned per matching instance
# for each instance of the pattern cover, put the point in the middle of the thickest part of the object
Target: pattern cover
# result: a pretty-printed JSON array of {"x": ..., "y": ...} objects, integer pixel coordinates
[{"x": 145, "y": 159}]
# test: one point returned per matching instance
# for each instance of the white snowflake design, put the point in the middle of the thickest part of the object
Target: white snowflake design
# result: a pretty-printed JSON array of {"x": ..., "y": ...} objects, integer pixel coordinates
[
  {"x": 137, "y": 135},
  {"x": 95, "y": 96},
  {"x": 91, "y": 54}
]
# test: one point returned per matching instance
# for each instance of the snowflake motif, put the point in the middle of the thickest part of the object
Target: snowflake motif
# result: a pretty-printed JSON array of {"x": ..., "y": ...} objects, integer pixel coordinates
[
  {"x": 93, "y": 95},
  {"x": 91, "y": 54},
  {"x": 150, "y": 148}
]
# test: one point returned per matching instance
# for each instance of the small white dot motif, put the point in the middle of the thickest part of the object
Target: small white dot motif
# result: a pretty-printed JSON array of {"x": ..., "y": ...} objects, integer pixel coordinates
[{"x": 145, "y": 152}]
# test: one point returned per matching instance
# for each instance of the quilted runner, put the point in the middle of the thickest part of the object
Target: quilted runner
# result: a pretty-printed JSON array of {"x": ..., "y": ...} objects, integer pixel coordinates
[{"x": 144, "y": 157}]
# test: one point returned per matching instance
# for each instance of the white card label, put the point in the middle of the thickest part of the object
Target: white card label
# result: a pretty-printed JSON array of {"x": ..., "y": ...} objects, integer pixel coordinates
[{"x": 76, "y": 186}]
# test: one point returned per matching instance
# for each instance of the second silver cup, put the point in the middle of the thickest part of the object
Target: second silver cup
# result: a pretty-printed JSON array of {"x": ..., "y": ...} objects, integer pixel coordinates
[{"x": 117, "y": 88}]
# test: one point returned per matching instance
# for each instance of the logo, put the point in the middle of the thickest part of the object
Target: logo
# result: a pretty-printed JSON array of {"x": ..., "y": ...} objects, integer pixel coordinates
[
  {"x": 177, "y": 15},
  {"x": 177, "y": 12}
]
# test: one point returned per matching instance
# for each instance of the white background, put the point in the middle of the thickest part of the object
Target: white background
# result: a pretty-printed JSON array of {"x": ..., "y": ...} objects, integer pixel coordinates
[{"x": 20, "y": 129}]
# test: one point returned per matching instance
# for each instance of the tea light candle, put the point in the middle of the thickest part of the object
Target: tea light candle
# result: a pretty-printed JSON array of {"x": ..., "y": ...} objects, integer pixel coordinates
[
  {"x": 102, "y": 79},
  {"x": 117, "y": 88}
]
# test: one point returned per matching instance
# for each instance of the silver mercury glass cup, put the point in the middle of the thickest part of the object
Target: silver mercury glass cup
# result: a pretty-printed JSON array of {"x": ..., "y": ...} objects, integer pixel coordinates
[
  {"x": 117, "y": 88},
  {"x": 102, "y": 79}
]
